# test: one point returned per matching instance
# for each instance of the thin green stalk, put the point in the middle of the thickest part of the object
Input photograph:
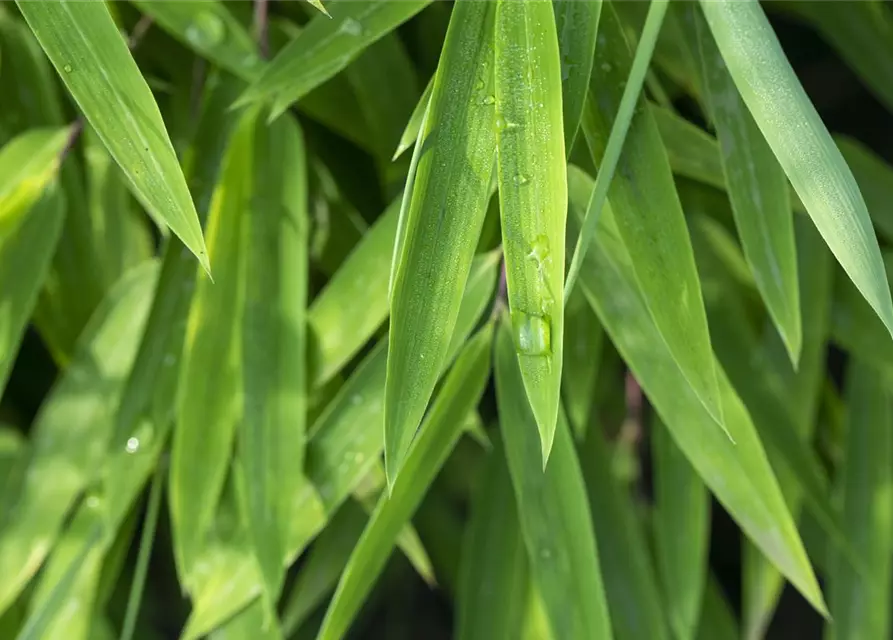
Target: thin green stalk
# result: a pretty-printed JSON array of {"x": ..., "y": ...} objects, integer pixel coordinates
[{"x": 637, "y": 74}]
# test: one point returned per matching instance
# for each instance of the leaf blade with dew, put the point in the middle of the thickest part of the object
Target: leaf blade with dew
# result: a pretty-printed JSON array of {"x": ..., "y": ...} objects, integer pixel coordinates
[
  {"x": 89, "y": 53},
  {"x": 860, "y": 604},
  {"x": 624, "y": 557},
  {"x": 738, "y": 472},
  {"x": 273, "y": 342},
  {"x": 208, "y": 400},
  {"x": 325, "y": 47},
  {"x": 344, "y": 443},
  {"x": 648, "y": 213},
  {"x": 532, "y": 197},
  {"x": 758, "y": 190},
  {"x": 577, "y": 27},
  {"x": 71, "y": 428},
  {"x": 552, "y": 508},
  {"x": 802, "y": 144},
  {"x": 681, "y": 533},
  {"x": 460, "y": 393},
  {"x": 494, "y": 570},
  {"x": 434, "y": 260}
]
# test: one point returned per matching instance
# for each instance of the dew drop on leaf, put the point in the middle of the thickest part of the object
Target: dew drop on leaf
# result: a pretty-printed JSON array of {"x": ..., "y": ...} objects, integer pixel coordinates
[
  {"x": 351, "y": 27},
  {"x": 533, "y": 334},
  {"x": 206, "y": 30}
]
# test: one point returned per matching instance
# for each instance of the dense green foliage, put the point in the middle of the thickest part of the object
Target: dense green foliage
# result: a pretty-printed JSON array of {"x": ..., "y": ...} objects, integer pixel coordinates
[{"x": 615, "y": 306}]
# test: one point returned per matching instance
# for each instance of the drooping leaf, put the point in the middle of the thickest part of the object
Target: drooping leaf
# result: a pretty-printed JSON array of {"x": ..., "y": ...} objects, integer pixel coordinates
[
  {"x": 861, "y": 604},
  {"x": 552, "y": 508},
  {"x": 71, "y": 430},
  {"x": 453, "y": 181},
  {"x": 532, "y": 197},
  {"x": 733, "y": 466},
  {"x": 460, "y": 394},
  {"x": 91, "y": 57},
  {"x": 324, "y": 47},
  {"x": 649, "y": 217},
  {"x": 802, "y": 144},
  {"x": 681, "y": 520},
  {"x": 494, "y": 577},
  {"x": 757, "y": 189}
]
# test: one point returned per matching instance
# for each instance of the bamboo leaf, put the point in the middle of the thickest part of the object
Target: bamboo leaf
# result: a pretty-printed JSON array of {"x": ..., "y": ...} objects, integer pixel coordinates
[
  {"x": 460, "y": 393},
  {"x": 735, "y": 469},
  {"x": 532, "y": 197},
  {"x": 494, "y": 571},
  {"x": 91, "y": 57},
  {"x": 631, "y": 583},
  {"x": 649, "y": 216},
  {"x": 453, "y": 180},
  {"x": 272, "y": 438},
  {"x": 681, "y": 532},
  {"x": 414, "y": 124},
  {"x": 860, "y": 604},
  {"x": 552, "y": 508},
  {"x": 802, "y": 144},
  {"x": 325, "y": 47},
  {"x": 71, "y": 430},
  {"x": 757, "y": 189},
  {"x": 209, "y": 399},
  {"x": 583, "y": 339},
  {"x": 577, "y": 27}
]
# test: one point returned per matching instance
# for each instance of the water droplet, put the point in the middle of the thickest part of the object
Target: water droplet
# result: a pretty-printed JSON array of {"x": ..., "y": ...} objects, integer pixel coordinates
[
  {"x": 489, "y": 100},
  {"x": 500, "y": 122},
  {"x": 356, "y": 399},
  {"x": 540, "y": 105},
  {"x": 606, "y": 66},
  {"x": 479, "y": 85},
  {"x": 206, "y": 30},
  {"x": 533, "y": 334},
  {"x": 93, "y": 502},
  {"x": 351, "y": 27},
  {"x": 68, "y": 68},
  {"x": 133, "y": 444},
  {"x": 539, "y": 250},
  {"x": 522, "y": 179}
]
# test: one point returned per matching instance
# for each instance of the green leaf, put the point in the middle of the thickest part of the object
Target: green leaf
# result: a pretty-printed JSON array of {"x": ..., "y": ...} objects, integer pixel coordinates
[
  {"x": 583, "y": 339},
  {"x": 733, "y": 466},
  {"x": 91, "y": 57},
  {"x": 272, "y": 437},
  {"x": 460, "y": 393},
  {"x": 325, "y": 47},
  {"x": 650, "y": 218},
  {"x": 453, "y": 181},
  {"x": 344, "y": 443},
  {"x": 532, "y": 197},
  {"x": 577, "y": 27},
  {"x": 552, "y": 508},
  {"x": 354, "y": 303},
  {"x": 875, "y": 179},
  {"x": 860, "y": 604},
  {"x": 717, "y": 618},
  {"x": 801, "y": 143},
  {"x": 494, "y": 580},
  {"x": 27, "y": 164},
  {"x": 757, "y": 189},
  {"x": 70, "y": 432},
  {"x": 209, "y": 403},
  {"x": 681, "y": 532},
  {"x": 631, "y": 584},
  {"x": 414, "y": 124}
]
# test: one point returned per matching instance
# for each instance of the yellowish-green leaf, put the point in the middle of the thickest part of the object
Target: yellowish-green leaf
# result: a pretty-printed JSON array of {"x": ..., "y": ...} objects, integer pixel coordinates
[
  {"x": 71, "y": 430},
  {"x": 460, "y": 393},
  {"x": 681, "y": 521},
  {"x": 552, "y": 508},
  {"x": 860, "y": 604},
  {"x": 802, "y": 144},
  {"x": 92, "y": 58},
  {"x": 650, "y": 219},
  {"x": 532, "y": 197},
  {"x": 27, "y": 164},
  {"x": 757, "y": 189},
  {"x": 734, "y": 468},
  {"x": 325, "y": 47},
  {"x": 443, "y": 222},
  {"x": 494, "y": 577}
]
